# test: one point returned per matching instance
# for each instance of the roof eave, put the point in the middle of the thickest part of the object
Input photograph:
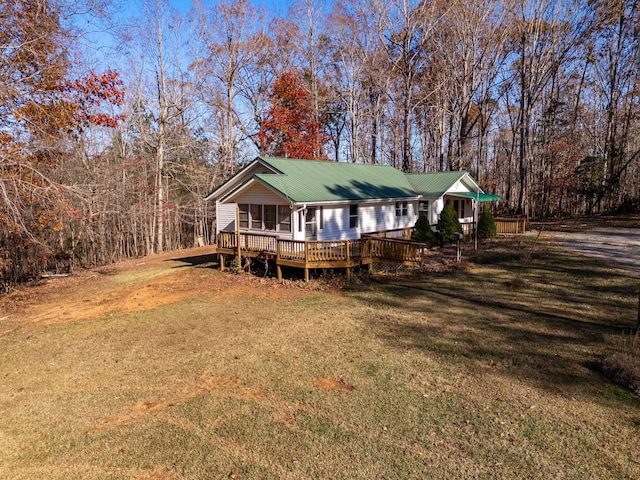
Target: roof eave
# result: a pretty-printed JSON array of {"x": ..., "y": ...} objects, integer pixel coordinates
[{"x": 227, "y": 188}]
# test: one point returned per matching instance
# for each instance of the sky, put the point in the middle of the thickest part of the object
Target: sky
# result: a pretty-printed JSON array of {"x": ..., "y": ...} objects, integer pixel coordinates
[
  {"x": 98, "y": 46},
  {"x": 277, "y": 7}
]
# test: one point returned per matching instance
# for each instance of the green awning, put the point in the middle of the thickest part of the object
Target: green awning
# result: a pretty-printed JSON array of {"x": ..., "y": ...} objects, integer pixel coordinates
[{"x": 479, "y": 197}]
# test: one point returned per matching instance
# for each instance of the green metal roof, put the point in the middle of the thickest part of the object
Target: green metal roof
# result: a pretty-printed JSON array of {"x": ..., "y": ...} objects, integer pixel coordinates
[
  {"x": 316, "y": 181},
  {"x": 433, "y": 185},
  {"x": 309, "y": 181}
]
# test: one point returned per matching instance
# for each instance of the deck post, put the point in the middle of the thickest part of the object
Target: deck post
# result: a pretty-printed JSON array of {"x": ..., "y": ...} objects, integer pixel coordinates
[
  {"x": 306, "y": 274},
  {"x": 221, "y": 262},
  {"x": 278, "y": 271},
  {"x": 238, "y": 248}
]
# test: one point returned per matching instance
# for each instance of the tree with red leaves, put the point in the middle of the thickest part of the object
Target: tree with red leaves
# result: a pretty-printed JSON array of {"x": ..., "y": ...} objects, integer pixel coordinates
[
  {"x": 290, "y": 129},
  {"x": 43, "y": 113}
]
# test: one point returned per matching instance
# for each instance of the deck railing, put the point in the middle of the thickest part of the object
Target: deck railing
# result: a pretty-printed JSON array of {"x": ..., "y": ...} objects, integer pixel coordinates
[
  {"x": 337, "y": 251},
  {"x": 291, "y": 250},
  {"x": 513, "y": 225},
  {"x": 400, "y": 233},
  {"x": 227, "y": 240},
  {"x": 252, "y": 242},
  {"x": 396, "y": 250},
  {"x": 319, "y": 251}
]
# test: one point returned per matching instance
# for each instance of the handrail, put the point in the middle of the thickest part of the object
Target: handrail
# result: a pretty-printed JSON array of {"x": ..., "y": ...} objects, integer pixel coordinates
[{"x": 326, "y": 251}]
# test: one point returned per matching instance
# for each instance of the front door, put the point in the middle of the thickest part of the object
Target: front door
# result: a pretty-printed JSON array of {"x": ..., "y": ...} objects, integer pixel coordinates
[{"x": 310, "y": 224}]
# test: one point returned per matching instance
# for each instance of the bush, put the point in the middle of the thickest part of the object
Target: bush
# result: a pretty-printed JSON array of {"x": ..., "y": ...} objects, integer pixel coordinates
[
  {"x": 423, "y": 232},
  {"x": 624, "y": 367},
  {"x": 448, "y": 224},
  {"x": 486, "y": 224}
]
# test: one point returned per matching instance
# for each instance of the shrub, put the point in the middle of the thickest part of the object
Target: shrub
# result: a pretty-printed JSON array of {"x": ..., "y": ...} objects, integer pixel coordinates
[
  {"x": 423, "y": 232},
  {"x": 624, "y": 368},
  {"x": 486, "y": 224},
  {"x": 448, "y": 224}
]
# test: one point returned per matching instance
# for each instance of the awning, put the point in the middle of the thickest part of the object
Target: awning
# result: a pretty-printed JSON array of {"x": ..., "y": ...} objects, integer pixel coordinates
[{"x": 479, "y": 197}]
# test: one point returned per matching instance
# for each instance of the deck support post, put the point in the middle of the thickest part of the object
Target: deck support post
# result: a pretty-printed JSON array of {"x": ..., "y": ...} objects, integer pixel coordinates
[
  {"x": 348, "y": 273},
  {"x": 306, "y": 274},
  {"x": 221, "y": 262},
  {"x": 279, "y": 271}
]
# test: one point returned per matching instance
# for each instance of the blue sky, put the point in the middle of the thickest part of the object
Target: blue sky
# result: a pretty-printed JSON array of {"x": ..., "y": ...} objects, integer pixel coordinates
[
  {"x": 98, "y": 45},
  {"x": 278, "y": 7}
]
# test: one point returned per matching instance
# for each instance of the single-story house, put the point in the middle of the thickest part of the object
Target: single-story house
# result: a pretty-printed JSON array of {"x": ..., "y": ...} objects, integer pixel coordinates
[{"x": 314, "y": 200}]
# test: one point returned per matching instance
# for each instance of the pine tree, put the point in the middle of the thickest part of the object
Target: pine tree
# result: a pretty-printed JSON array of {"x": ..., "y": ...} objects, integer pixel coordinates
[
  {"x": 448, "y": 224},
  {"x": 486, "y": 224},
  {"x": 423, "y": 232}
]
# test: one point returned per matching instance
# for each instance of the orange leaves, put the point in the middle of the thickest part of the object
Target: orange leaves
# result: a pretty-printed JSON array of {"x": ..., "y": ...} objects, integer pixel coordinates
[
  {"x": 90, "y": 93},
  {"x": 290, "y": 129}
]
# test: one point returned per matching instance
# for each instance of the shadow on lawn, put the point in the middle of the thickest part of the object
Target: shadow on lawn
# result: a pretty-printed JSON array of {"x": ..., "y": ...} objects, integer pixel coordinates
[
  {"x": 551, "y": 332},
  {"x": 200, "y": 261}
]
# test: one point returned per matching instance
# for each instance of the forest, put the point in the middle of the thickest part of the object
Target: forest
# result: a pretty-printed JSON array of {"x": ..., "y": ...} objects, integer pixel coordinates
[{"x": 116, "y": 120}]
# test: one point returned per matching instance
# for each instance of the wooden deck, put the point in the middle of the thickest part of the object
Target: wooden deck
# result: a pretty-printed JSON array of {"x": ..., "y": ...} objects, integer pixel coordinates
[{"x": 320, "y": 254}]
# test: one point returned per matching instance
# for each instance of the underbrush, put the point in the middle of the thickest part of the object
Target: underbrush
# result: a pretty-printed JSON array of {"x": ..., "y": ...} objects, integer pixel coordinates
[{"x": 623, "y": 366}]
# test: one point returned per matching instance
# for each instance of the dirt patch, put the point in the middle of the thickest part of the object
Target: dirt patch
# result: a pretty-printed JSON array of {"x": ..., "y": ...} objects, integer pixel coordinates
[
  {"x": 133, "y": 286},
  {"x": 204, "y": 384},
  {"x": 333, "y": 383},
  {"x": 121, "y": 300}
]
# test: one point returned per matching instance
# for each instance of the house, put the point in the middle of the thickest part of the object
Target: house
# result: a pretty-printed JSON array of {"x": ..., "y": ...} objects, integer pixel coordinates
[
  {"x": 304, "y": 200},
  {"x": 309, "y": 214}
]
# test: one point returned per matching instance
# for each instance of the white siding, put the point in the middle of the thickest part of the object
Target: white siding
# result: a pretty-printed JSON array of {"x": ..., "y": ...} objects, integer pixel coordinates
[
  {"x": 458, "y": 187},
  {"x": 225, "y": 216},
  {"x": 259, "y": 194},
  {"x": 336, "y": 223},
  {"x": 240, "y": 178},
  {"x": 436, "y": 207},
  {"x": 372, "y": 217},
  {"x": 382, "y": 216}
]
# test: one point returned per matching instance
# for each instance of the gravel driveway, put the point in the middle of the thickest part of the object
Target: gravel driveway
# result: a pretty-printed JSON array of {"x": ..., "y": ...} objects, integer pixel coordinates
[{"x": 620, "y": 246}]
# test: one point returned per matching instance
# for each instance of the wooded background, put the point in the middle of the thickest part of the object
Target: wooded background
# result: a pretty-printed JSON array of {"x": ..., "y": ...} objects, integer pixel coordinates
[{"x": 116, "y": 122}]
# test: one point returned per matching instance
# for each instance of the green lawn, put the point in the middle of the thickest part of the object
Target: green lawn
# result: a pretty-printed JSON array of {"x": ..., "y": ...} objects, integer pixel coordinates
[{"x": 449, "y": 374}]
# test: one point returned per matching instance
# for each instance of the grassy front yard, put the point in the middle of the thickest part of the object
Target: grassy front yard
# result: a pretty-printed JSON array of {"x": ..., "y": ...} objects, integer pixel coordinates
[{"x": 164, "y": 369}]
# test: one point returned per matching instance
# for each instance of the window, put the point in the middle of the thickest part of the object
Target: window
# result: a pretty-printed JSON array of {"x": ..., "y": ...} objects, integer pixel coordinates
[
  {"x": 270, "y": 217},
  {"x": 423, "y": 208},
  {"x": 310, "y": 224},
  {"x": 401, "y": 209},
  {"x": 300, "y": 220},
  {"x": 284, "y": 218},
  {"x": 243, "y": 213},
  {"x": 353, "y": 216},
  {"x": 256, "y": 216}
]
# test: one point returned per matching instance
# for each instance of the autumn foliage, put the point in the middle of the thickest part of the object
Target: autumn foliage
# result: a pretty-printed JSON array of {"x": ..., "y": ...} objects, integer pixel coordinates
[
  {"x": 290, "y": 129},
  {"x": 42, "y": 113}
]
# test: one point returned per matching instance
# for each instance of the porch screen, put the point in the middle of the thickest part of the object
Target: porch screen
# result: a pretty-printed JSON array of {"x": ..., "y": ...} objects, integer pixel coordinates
[
  {"x": 284, "y": 218},
  {"x": 243, "y": 209},
  {"x": 269, "y": 217},
  {"x": 256, "y": 217}
]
